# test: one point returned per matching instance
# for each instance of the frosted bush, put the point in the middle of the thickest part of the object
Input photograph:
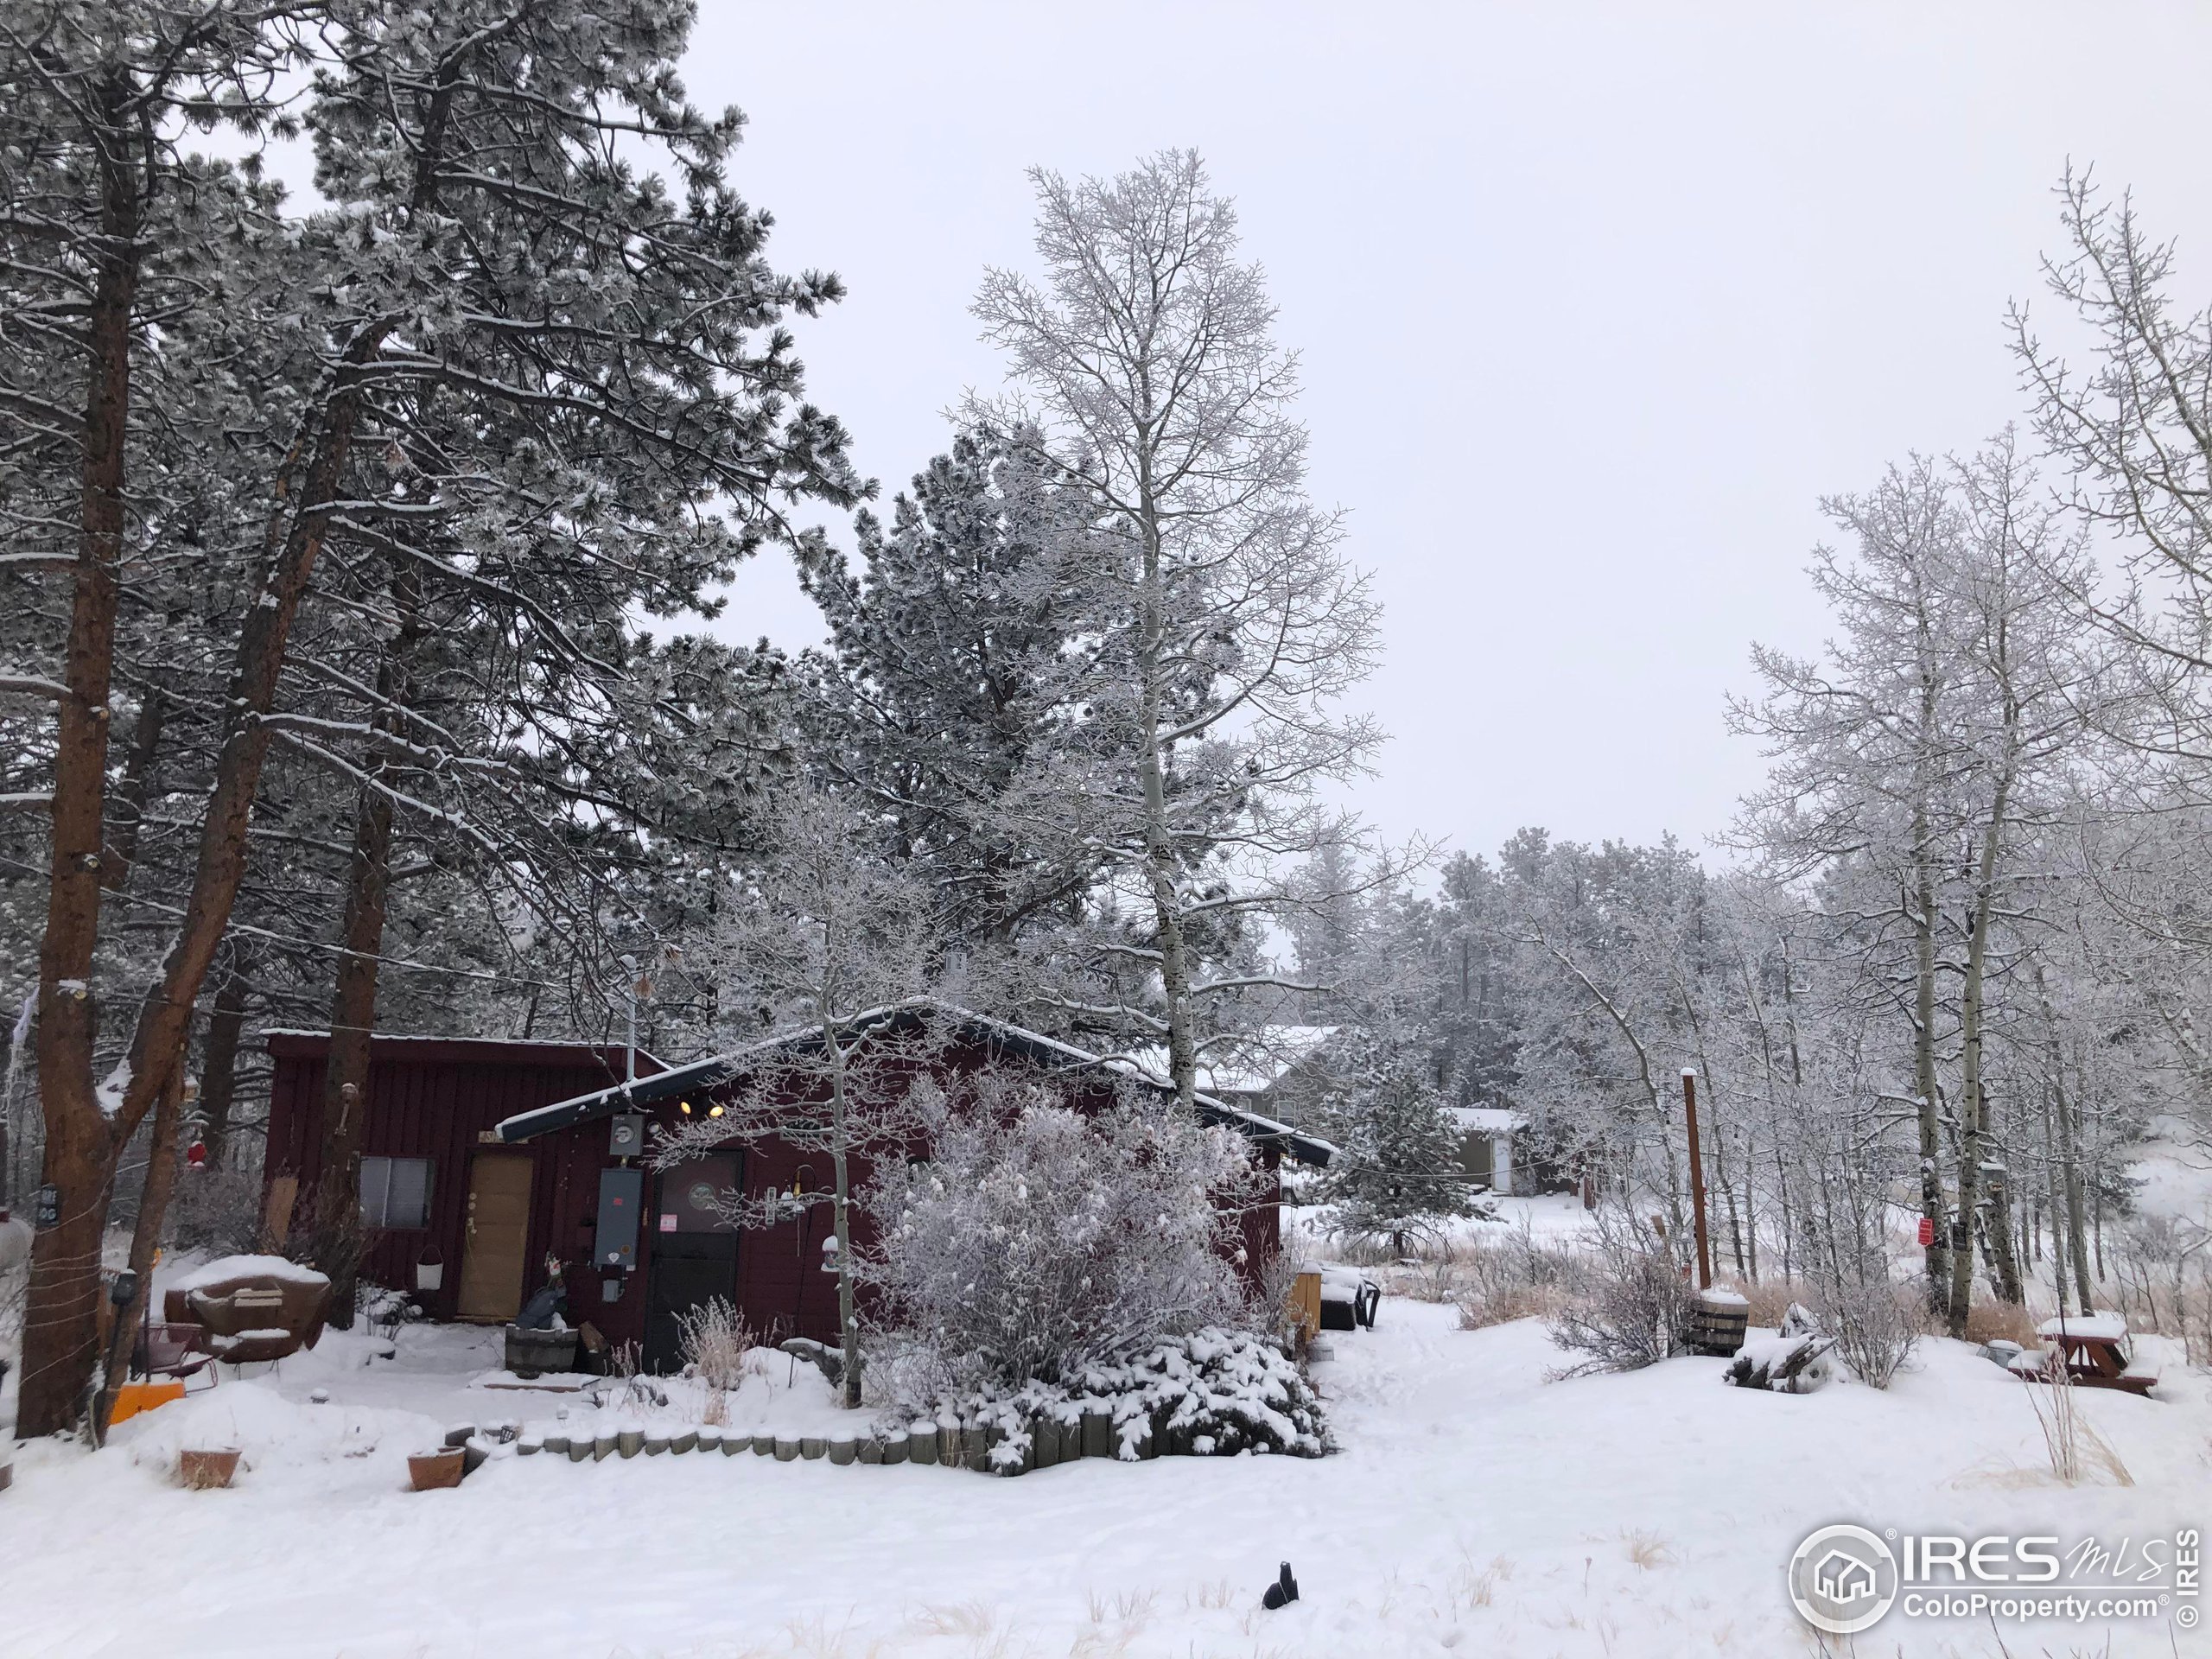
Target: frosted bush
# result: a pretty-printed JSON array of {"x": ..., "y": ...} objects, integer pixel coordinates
[
  {"x": 1626, "y": 1311},
  {"x": 1039, "y": 1240}
]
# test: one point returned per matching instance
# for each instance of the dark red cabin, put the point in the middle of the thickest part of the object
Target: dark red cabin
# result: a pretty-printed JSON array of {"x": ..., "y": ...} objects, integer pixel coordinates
[{"x": 490, "y": 1156}]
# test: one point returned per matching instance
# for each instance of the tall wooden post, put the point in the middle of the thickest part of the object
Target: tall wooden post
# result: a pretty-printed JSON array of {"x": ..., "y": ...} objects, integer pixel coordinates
[{"x": 1697, "y": 1182}]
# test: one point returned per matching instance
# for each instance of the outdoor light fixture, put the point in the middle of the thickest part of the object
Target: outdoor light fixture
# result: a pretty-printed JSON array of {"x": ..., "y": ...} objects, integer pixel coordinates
[
  {"x": 714, "y": 1111},
  {"x": 684, "y": 1107}
]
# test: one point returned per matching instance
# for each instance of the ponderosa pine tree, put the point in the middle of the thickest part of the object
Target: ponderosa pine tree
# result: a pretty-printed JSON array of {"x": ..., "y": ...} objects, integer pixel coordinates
[{"x": 949, "y": 699}]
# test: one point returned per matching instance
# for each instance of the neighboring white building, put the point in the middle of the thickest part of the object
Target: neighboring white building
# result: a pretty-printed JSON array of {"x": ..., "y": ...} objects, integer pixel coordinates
[{"x": 1486, "y": 1145}]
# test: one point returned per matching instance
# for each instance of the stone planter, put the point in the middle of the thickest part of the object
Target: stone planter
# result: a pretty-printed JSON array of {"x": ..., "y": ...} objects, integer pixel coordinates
[
  {"x": 210, "y": 1469},
  {"x": 432, "y": 1471}
]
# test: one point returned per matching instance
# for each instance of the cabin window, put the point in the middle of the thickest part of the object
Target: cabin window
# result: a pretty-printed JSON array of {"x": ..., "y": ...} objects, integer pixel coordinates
[{"x": 396, "y": 1193}]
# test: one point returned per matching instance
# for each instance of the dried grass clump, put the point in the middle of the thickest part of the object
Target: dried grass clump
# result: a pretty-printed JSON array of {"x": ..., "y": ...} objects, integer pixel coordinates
[
  {"x": 1770, "y": 1299},
  {"x": 2076, "y": 1450},
  {"x": 1988, "y": 1322},
  {"x": 713, "y": 1339},
  {"x": 1515, "y": 1277}
]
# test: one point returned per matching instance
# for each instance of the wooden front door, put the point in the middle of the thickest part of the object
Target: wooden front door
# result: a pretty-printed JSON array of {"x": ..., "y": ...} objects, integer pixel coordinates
[{"x": 496, "y": 1236}]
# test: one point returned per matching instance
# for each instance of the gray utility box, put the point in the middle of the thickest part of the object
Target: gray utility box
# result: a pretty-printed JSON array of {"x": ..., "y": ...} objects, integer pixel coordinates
[
  {"x": 627, "y": 1139},
  {"x": 621, "y": 1193}
]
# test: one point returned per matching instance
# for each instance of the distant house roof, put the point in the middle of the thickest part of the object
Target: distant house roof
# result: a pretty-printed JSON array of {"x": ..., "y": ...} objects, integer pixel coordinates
[
  {"x": 1242, "y": 1065},
  {"x": 1488, "y": 1120},
  {"x": 1045, "y": 1051}
]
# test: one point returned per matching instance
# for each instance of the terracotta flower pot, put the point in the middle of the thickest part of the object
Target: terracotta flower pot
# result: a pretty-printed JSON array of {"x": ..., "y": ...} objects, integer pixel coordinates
[
  {"x": 206, "y": 1470},
  {"x": 432, "y": 1469}
]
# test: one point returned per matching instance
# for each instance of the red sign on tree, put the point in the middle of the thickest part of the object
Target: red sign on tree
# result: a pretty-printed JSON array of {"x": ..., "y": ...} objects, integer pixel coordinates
[{"x": 1927, "y": 1231}]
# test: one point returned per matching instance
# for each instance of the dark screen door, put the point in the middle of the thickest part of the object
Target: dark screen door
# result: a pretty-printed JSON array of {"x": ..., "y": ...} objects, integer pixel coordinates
[{"x": 693, "y": 1251}]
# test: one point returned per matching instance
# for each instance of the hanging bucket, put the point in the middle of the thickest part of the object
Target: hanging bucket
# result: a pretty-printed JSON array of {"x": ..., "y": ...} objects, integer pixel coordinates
[{"x": 431, "y": 1270}]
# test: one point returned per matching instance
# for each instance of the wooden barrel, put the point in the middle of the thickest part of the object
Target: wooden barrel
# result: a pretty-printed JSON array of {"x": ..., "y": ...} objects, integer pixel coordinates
[{"x": 1714, "y": 1322}]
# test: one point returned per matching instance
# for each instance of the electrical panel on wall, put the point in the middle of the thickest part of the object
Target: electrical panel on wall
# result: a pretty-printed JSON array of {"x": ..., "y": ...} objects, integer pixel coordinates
[{"x": 616, "y": 1241}]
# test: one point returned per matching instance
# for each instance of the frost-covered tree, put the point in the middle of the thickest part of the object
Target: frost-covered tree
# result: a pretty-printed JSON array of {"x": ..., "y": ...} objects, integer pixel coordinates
[
  {"x": 1227, "y": 624},
  {"x": 951, "y": 694},
  {"x": 1396, "y": 1176},
  {"x": 1912, "y": 768},
  {"x": 817, "y": 950},
  {"x": 1037, "y": 1239}
]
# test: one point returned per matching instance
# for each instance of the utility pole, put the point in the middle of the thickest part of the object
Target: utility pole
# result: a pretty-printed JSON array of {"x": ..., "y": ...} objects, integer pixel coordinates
[{"x": 1697, "y": 1182}]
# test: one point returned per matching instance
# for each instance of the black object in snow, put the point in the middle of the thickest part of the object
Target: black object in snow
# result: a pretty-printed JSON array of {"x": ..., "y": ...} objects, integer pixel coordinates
[{"x": 1282, "y": 1592}]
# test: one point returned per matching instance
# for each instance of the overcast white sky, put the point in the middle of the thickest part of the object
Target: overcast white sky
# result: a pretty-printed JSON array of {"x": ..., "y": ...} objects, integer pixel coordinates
[{"x": 1594, "y": 302}]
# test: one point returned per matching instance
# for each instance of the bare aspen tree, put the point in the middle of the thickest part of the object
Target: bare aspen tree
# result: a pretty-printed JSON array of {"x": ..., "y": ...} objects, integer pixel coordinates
[
  {"x": 1228, "y": 624},
  {"x": 818, "y": 953}
]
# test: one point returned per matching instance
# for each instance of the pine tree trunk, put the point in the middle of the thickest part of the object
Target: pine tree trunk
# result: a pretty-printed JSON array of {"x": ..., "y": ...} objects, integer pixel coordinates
[
  {"x": 61, "y": 1316},
  {"x": 218, "y": 1070},
  {"x": 353, "y": 998},
  {"x": 61, "y": 1321},
  {"x": 131, "y": 797}
]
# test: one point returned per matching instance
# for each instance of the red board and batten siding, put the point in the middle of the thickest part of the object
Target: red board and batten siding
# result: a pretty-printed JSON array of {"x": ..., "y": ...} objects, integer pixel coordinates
[
  {"x": 439, "y": 1099},
  {"x": 435, "y": 1099}
]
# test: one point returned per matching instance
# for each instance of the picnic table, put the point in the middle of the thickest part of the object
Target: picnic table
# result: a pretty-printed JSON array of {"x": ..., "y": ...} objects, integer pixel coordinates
[{"x": 2095, "y": 1349}]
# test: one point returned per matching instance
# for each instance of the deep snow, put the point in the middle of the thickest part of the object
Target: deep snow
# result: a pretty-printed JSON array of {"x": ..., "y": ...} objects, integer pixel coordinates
[{"x": 1476, "y": 1509}]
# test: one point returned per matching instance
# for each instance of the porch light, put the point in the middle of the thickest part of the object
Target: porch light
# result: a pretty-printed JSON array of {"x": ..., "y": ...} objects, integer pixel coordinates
[{"x": 714, "y": 1111}]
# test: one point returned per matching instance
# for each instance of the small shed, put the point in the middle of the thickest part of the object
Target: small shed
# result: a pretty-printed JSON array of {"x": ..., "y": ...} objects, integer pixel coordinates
[{"x": 1486, "y": 1146}]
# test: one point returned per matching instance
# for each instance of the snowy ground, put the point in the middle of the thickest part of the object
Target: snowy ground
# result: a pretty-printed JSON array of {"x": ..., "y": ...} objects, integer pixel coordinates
[{"x": 1476, "y": 1509}]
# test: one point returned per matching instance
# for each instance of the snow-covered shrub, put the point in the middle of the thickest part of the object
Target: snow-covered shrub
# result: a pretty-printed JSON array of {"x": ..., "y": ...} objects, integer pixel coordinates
[
  {"x": 1214, "y": 1393},
  {"x": 1038, "y": 1241},
  {"x": 713, "y": 1339},
  {"x": 1624, "y": 1313}
]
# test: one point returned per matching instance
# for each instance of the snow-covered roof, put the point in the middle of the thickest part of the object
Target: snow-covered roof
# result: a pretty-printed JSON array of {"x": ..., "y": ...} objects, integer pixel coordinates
[
  {"x": 2097, "y": 1327},
  {"x": 380, "y": 1038},
  {"x": 1488, "y": 1120},
  {"x": 1242, "y": 1066},
  {"x": 721, "y": 1068}
]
